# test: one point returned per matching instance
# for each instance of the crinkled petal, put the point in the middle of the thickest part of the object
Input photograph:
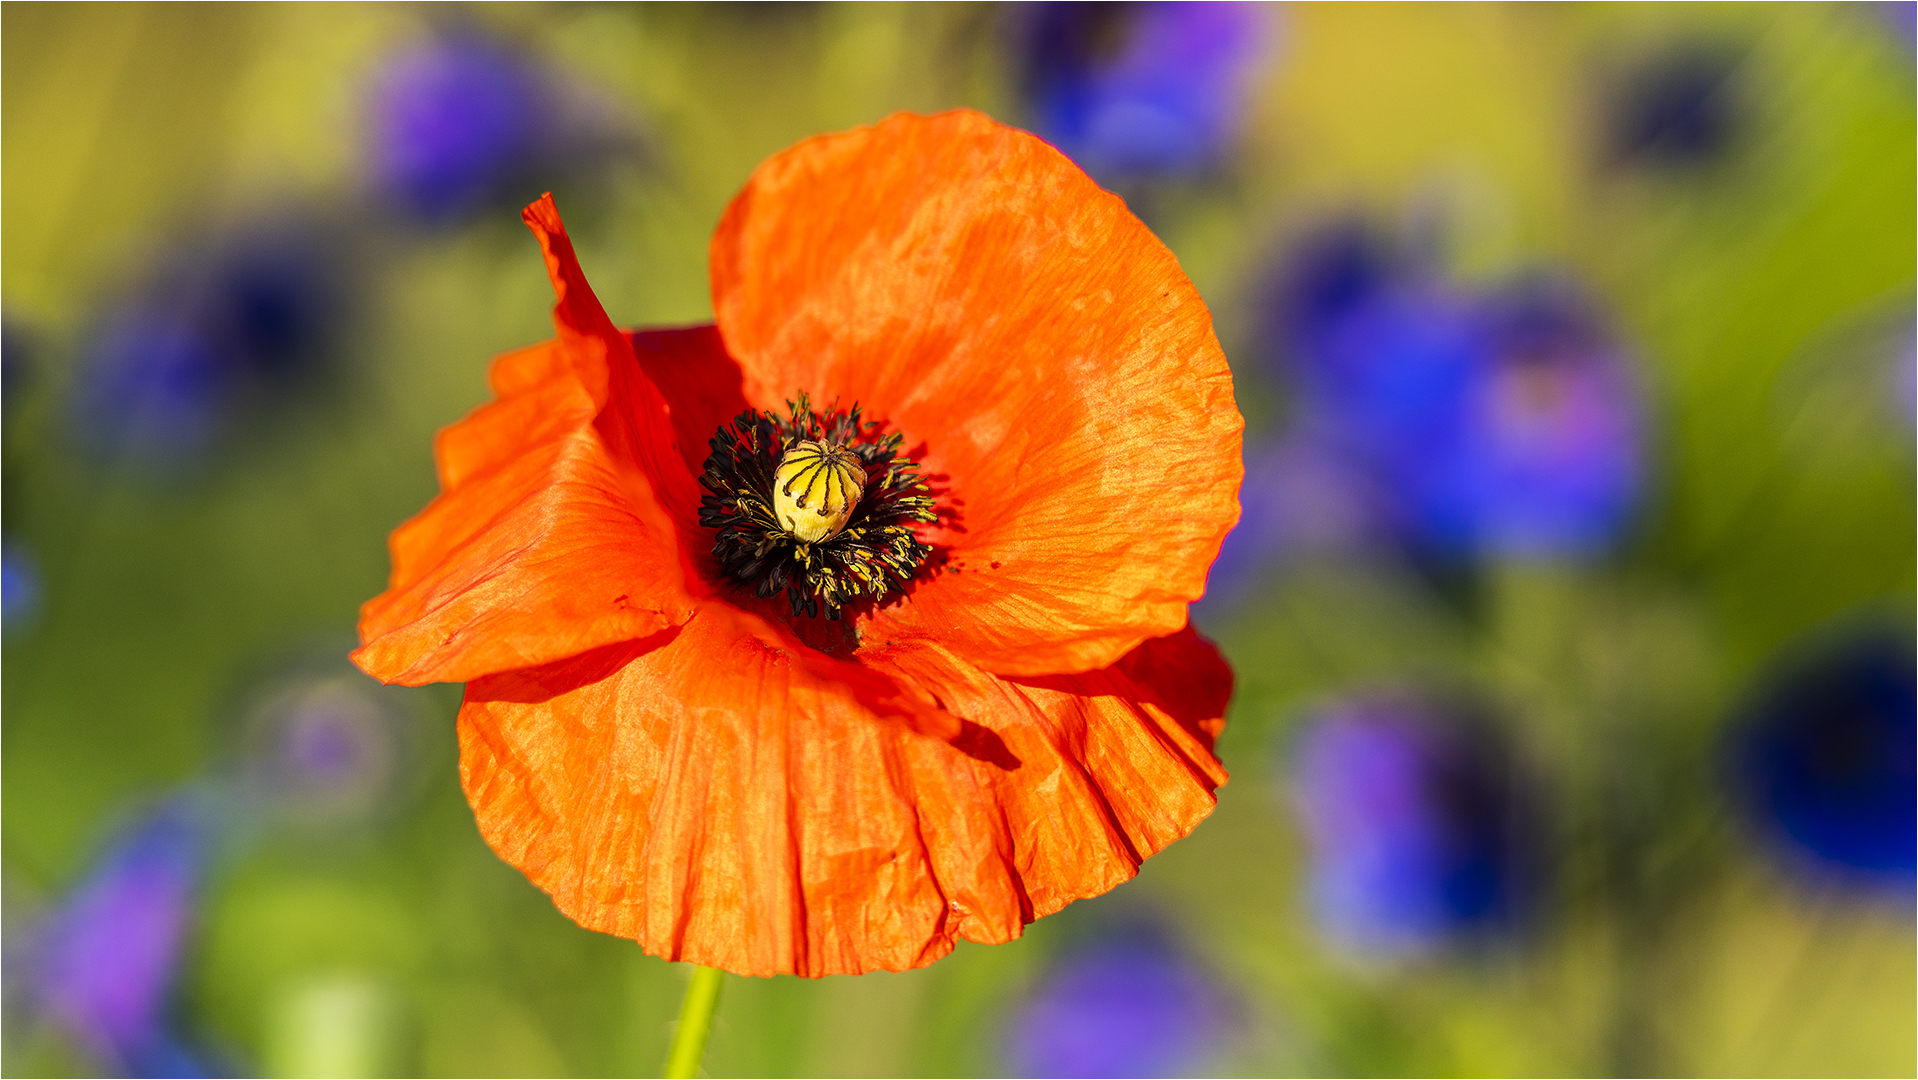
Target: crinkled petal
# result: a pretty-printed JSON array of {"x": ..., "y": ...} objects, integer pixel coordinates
[
  {"x": 794, "y": 815},
  {"x": 549, "y": 537},
  {"x": 1031, "y": 338}
]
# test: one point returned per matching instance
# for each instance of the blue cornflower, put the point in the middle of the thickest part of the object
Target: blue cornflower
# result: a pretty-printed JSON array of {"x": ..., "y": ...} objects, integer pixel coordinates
[
  {"x": 1413, "y": 825},
  {"x": 1381, "y": 354},
  {"x": 457, "y": 125},
  {"x": 1391, "y": 381},
  {"x": 1141, "y": 90},
  {"x": 1501, "y": 424},
  {"x": 1827, "y": 759},
  {"x": 1545, "y": 458},
  {"x": 1125, "y": 1004},
  {"x": 109, "y": 961}
]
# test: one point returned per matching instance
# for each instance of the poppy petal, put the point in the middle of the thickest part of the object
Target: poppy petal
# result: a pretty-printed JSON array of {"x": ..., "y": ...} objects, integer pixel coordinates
[
  {"x": 547, "y": 538},
  {"x": 701, "y": 386},
  {"x": 1056, "y": 370},
  {"x": 773, "y": 821}
]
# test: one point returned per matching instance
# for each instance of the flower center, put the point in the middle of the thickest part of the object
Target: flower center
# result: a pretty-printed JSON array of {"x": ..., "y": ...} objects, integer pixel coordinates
[
  {"x": 815, "y": 488},
  {"x": 817, "y": 505}
]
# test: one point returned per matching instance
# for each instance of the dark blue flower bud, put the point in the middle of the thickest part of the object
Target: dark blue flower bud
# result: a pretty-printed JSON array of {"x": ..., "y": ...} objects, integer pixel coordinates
[
  {"x": 1827, "y": 759},
  {"x": 1678, "y": 108}
]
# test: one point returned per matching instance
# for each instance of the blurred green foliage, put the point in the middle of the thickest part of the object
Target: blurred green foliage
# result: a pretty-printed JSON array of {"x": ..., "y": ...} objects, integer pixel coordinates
[{"x": 1758, "y": 293}]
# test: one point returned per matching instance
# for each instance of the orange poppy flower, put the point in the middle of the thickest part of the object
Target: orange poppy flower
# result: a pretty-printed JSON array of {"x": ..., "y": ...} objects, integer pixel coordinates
[{"x": 777, "y": 689}]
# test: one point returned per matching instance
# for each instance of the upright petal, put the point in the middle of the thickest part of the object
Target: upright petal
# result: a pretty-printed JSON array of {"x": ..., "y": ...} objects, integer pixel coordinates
[
  {"x": 1058, "y": 374},
  {"x": 548, "y": 537}
]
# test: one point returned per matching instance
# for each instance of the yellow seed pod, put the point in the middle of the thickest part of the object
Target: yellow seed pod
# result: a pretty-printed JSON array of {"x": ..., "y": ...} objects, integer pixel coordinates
[{"x": 815, "y": 489}]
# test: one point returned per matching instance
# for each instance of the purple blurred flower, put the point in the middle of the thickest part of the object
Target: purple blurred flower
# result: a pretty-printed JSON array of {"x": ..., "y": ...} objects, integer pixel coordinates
[
  {"x": 1127, "y": 1004},
  {"x": 1504, "y": 425},
  {"x": 1380, "y": 353},
  {"x": 107, "y": 966},
  {"x": 1391, "y": 380},
  {"x": 325, "y": 751},
  {"x": 1413, "y": 824},
  {"x": 1546, "y": 459},
  {"x": 1827, "y": 759},
  {"x": 155, "y": 387},
  {"x": 1139, "y": 90},
  {"x": 251, "y": 315},
  {"x": 457, "y": 126},
  {"x": 1374, "y": 362}
]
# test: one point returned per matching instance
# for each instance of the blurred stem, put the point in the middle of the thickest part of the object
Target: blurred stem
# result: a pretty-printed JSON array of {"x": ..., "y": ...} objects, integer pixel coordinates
[
  {"x": 1548, "y": 620},
  {"x": 695, "y": 1020}
]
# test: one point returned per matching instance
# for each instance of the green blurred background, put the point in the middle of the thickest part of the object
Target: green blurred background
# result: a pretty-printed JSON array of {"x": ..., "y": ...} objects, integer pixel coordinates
[{"x": 169, "y": 603}]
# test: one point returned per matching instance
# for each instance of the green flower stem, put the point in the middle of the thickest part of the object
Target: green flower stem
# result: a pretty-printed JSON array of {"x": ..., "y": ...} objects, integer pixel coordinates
[{"x": 695, "y": 1020}]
